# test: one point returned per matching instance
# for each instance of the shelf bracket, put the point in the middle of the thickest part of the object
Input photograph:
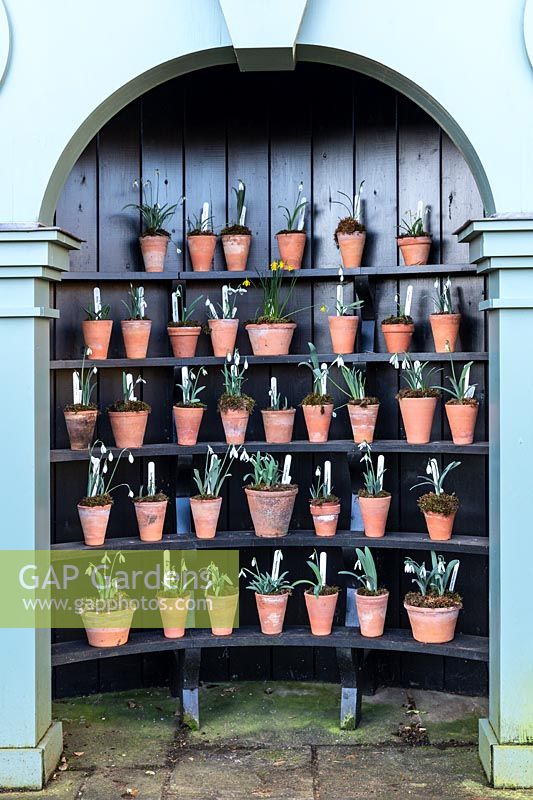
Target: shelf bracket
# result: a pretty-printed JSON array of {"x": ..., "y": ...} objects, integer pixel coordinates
[{"x": 185, "y": 682}]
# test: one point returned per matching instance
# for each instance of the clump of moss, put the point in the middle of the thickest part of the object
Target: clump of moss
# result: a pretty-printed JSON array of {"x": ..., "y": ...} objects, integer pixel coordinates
[
  {"x": 445, "y": 504},
  {"x": 434, "y": 600},
  {"x": 236, "y": 230},
  {"x": 232, "y": 402},
  {"x": 364, "y": 402},
  {"x": 365, "y": 493},
  {"x": 130, "y": 405},
  {"x": 320, "y": 501},
  {"x": 273, "y": 487},
  {"x": 191, "y": 323},
  {"x": 430, "y": 392},
  {"x": 411, "y": 235},
  {"x": 268, "y": 321},
  {"x": 155, "y": 232},
  {"x": 97, "y": 500},
  {"x": 80, "y": 407},
  {"x": 371, "y": 592},
  {"x": 159, "y": 497},
  {"x": 467, "y": 401},
  {"x": 348, "y": 225},
  {"x": 286, "y": 230},
  {"x": 198, "y": 232},
  {"x": 316, "y": 399},
  {"x": 402, "y": 319},
  {"x": 324, "y": 591},
  {"x": 190, "y": 405}
]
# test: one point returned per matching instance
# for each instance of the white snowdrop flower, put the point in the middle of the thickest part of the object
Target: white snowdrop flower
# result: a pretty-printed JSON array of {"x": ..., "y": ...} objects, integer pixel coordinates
[
  {"x": 110, "y": 457},
  {"x": 135, "y": 184},
  {"x": 130, "y": 493},
  {"x": 209, "y": 450},
  {"x": 300, "y": 186},
  {"x": 357, "y": 565},
  {"x": 207, "y": 301},
  {"x": 436, "y": 284},
  {"x": 341, "y": 275},
  {"x": 409, "y": 568},
  {"x": 394, "y": 360},
  {"x": 104, "y": 468},
  {"x": 203, "y": 371},
  {"x": 178, "y": 251},
  {"x": 245, "y": 363},
  {"x": 254, "y": 562},
  {"x": 95, "y": 462},
  {"x": 103, "y": 449},
  {"x": 441, "y": 568},
  {"x": 417, "y": 365},
  {"x": 318, "y": 472},
  {"x": 94, "y": 370},
  {"x": 244, "y": 456},
  {"x": 228, "y": 357},
  {"x": 130, "y": 458},
  {"x": 237, "y": 358},
  {"x": 339, "y": 361},
  {"x": 362, "y": 445},
  {"x": 428, "y": 468},
  {"x": 334, "y": 415},
  {"x": 88, "y": 351},
  {"x": 423, "y": 571},
  {"x": 447, "y": 283},
  {"x": 233, "y": 452}
]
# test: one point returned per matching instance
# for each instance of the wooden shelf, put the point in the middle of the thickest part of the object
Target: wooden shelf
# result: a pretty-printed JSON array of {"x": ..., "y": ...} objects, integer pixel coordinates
[
  {"x": 234, "y": 540},
  {"x": 332, "y": 446},
  {"x": 292, "y": 358},
  {"x": 472, "y": 648}
]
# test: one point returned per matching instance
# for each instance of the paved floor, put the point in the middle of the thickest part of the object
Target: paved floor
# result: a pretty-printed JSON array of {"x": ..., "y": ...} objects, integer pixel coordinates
[{"x": 273, "y": 741}]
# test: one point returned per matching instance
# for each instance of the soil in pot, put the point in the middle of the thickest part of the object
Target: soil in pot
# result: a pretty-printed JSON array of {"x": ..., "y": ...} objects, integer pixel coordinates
[
  {"x": 183, "y": 339},
  {"x": 174, "y": 611},
  {"x": 462, "y": 419},
  {"x": 363, "y": 416},
  {"x": 222, "y": 612},
  {"x": 136, "y": 334},
  {"x": 343, "y": 330},
  {"x": 445, "y": 328},
  {"x": 94, "y": 517},
  {"x": 278, "y": 425},
  {"x": 417, "y": 408},
  {"x": 291, "y": 246},
  {"x": 128, "y": 422},
  {"x": 271, "y": 509},
  {"x": 433, "y": 618},
  {"x": 350, "y": 238},
  {"x": 201, "y": 250},
  {"x": 398, "y": 333},
  {"x": 271, "y": 609},
  {"x": 187, "y": 420},
  {"x": 154, "y": 251},
  {"x": 439, "y": 512},
  {"x": 271, "y": 338},
  {"x": 107, "y": 628},
  {"x": 374, "y": 511},
  {"x": 414, "y": 249},
  {"x": 81, "y": 422},
  {"x": 96, "y": 335},
  {"x": 236, "y": 241},
  {"x": 223, "y": 335},
  {"x": 318, "y": 412},
  {"x": 371, "y": 611},
  {"x": 235, "y": 412},
  {"x": 321, "y": 610},
  {"x": 150, "y": 512},
  {"x": 205, "y": 513},
  {"x": 325, "y": 513}
]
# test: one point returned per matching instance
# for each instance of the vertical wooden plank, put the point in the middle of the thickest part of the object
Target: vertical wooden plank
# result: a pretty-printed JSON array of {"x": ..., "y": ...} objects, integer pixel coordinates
[
  {"x": 460, "y": 201},
  {"x": 77, "y": 209}
]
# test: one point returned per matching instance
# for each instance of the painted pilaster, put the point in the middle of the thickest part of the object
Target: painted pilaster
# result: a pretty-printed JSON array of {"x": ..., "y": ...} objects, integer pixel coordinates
[
  {"x": 502, "y": 248},
  {"x": 30, "y": 743}
]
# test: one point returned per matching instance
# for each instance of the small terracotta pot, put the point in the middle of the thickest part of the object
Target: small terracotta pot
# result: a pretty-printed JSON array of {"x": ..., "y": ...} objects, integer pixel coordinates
[
  {"x": 187, "y": 422},
  {"x": 136, "y": 333},
  {"x": 321, "y": 611},
  {"x": 397, "y": 337},
  {"x": 414, "y": 249},
  {"x": 291, "y": 248},
  {"x": 96, "y": 335},
  {"x": 343, "y": 331},
  {"x": 325, "y": 518},
  {"x": 432, "y": 625},
  {"x": 223, "y": 335},
  {"x": 109, "y": 629},
  {"x": 462, "y": 421},
  {"x": 128, "y": 427},
  {"x": 222, "y": 613},
  {"x": 445, "y": 328},
  {"x": 236, "y": 249},
  {"x": 173, "y": 612},
  {"x": 439, "y": 526},
  {"x": 271, "y": 339},
  {"x": 150, "y": 519},
  {"x": 201, "y": 251},
  {"x": 374, "y": 511},
  {"x": 351, "y": 247},
  {"x": 271, "y": 511},
  {"x": 205, "y": 513},
  {"x": 371, "y": 611},
  {"x": 80, "y": 428},
  {"x": 318, "y": 420},
  {"x": 184, "y": 340},
  {"x": 94, "y": 521},
  {"x": 271, "y": 609},
  {"x": 235, "y": 423},
  {"x": 278, "y": 425},
  {"x": 363, "y": 421},
  {"x": 417, "y": 416},
  {"x": 154, "y": 250}
]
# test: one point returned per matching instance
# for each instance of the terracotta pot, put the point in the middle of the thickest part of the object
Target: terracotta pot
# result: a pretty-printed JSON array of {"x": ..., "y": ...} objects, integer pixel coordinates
[
  {"x": 439, "y": 526},
  {"x": 271, "y": 609},
  {"x": 291, "y": 248},
  {"x": 94, "y": 521},
  {"x": 96, "y": 335},
  {"x": 462, "y": 421},
  {"x": 80, "y": 428},
  {"x": 187, "y": 422},
  {"x": 351, "y": 247},
  {"x": 321, "y": 611},
  {"x": 222, "y": 613},
  {"x": 205, "y": 514},
  {"x": 271, "y": 511},
  {"x": 136, "y": 333},
  {"x": 184, "y": 340},
  {"x": 414, "y": 249},
  {"x": 271, "y": 339},
  {"x": 235, "y": 424},
  {"x": 128, "y": 427},
  {"x": 371, "y": 611},
  {"x": 325, "y": 518},
  {"x": 150, "y": 519},
  {"x": 445, "y": 328},
  {"x": 374, "y": 511},
  {"x": 318, "y": 420},
  {"x": 363, "y": 421},
  {"x": 173, "y": 612},
  {"x": 432, "y": 625},
  {"x": 417, "y": 416},
  {"x": 201, "y": 251},
  {"x": 223, "y": 335},
  {"x": 397, "y": 337},
  {"x": 107, "y": 629},
  {"x": 154, "y": 250},
  {"x": 343, "y": 331},
  {"x": 278, "y": 425},
  {"x": 236, "y": 249}
]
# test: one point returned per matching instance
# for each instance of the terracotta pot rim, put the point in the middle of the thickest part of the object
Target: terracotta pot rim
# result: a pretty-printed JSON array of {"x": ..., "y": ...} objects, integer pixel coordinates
[
  {"x": 216, "y": 321},
  {"x": 309, "y": 593},
  {"x": 282, "y": 594},
  {"x": 320, "y": 506},
  {"x": 196, "y": 499},
  {"x": 372, "y": 597},
  {"x": 180, "y": 328},
  {"x": 150, "y": 503},
  {"x": 222, "y": 596},
  {"x": 412, "y": 239},
  {"x": 317, "y": 405},
  {"x": 189, "y": 408},
  {"x": 354, "y": 234},
  {"x": 363, "y": 408},
  {"x": 290, "y": 410},
  {"x": 389, "y": 494},
  {"x": 270, "y": 325},
  {"x": 235, "y": 235},
  {"x": 405, "y": 326},
  {"x": 204, "y": 233},
  {"x": 276, "y": 493},
  {"x": 433, "y": 399},
  {"x": 158, "y": 235},
  {"x": 291, "y": 233},
  {"x": 104, "y": 507},
  {"x": 130, "y": 413},
  {"x": 117, "y": 614},
  {"x": 433, "y": 610},
  {"x": 445, "y": 315},
  {"x": 85, "y": 411},
  {"x": 439, "y": 515}
]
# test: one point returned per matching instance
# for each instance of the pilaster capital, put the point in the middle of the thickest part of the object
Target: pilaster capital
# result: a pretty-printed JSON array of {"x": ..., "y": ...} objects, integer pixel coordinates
[{"x": 35, "y": 252}]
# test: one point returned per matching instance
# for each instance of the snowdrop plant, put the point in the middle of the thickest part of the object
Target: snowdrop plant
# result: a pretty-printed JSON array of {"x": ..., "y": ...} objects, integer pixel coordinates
[
  {"x": 437, "y": 501},
  {"x": 352, "y": 223},
  {"x": 416, "y": 375},
  {"x": 277, "y": 402},
  {"x": 101, "y": 474},
  {"x": 435, "y": 477},
  {"x": 152, "y": 495},
  {"x": 266, "y": 471},
  {"x": 154, "y": 214},
  {"x": 415, "y": 223},
  {"x": 442, "y": 298},
  {"x": 189, "y": 387},
  {"x": 462, "y": 391},
  {"x": 439, "y": 580},
  {"x": 238, "y": 227},
  {"x": 373, "y": 477},
  {"x": 83, "y": 386},
  {"x": 342, "y": 309},
  {"x": 96, "y": 310},
  {"x": 318, "y": 566},
  {"x": 295, "y": 216},
  {"x": 228, "y": 307},
  {"x": 366, "y": 566},
  {"x": 355, "y": 384},
  {"x": 217, "y": 582},
  {"x": 216, "y": 471},
  {"x": 320, "y": 373},
  {"x": 104, "y": 579},
  {"x": 402, "y": 315},
  {"x": 182, "y": 313},
  {"x": 135, "y": 303},
  {"x": 176, "y": 582},
  {"x": 272, "y": 582},
  {"x": 321, "y": 490}
]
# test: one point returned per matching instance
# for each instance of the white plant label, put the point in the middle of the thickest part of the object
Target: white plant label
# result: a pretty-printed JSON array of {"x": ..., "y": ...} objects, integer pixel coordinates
[
  {"x": 276, "y": 564},
  {"x": 211, "y": 308},
  {"x": 324, "y": 379},
  {"x": 408, "y": 300},
  {"x": 129, "y": 384},
  {"x": 273, "y": 390},
  {"x": 205, "y": 216},
  {"x": 76, "y": 388},
  {"x": 467, "y": 378},
  {"x": 357, "y": 207},
  {"x": 225, "y": 301},
  {"x": 286, "y": 478},
  {"x": 242, "y": 218},
  {"x": 420, "y": 210},
  {"x": 151, "y": 477},
  {"x": 142, "y": 303},
  {"x": 97, "y": 300},
  {"x": 166, "y": 567},
  {"x": 175, "y": 313},
  {"x": 380, "y": 471},
  {"x": 323, "y": 566},
  {"x": 327, "y": 476},
  {"x": 340, "y": 299},
  {"x": 301, "y": 221},
  {"x": 184, "y": 379}
]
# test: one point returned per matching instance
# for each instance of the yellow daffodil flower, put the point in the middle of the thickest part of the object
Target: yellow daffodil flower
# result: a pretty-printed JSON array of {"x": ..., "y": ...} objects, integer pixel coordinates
[
  {"x": 246, "y": 282},
  {"x": 323, "y": 308}
]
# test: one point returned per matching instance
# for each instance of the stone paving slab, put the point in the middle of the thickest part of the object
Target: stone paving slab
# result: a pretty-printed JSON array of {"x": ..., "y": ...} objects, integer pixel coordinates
[
  {"x": 129, "y": 784},
  {"x": 65, "y": 786}
]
